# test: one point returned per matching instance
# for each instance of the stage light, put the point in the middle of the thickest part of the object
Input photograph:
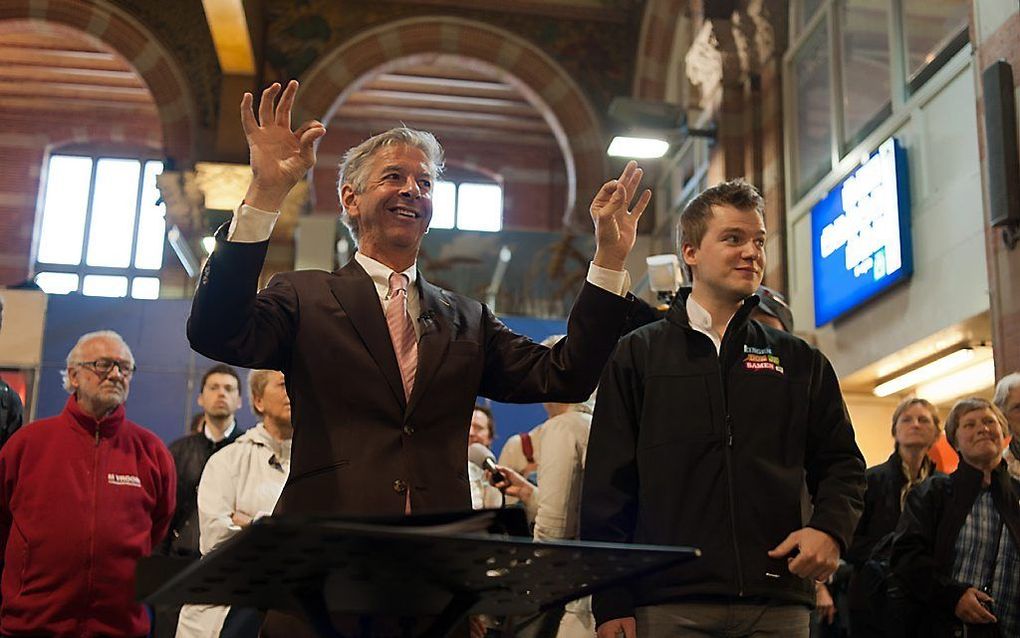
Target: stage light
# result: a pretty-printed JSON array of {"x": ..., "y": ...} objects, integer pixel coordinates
[{"x": 637, "y": 147}]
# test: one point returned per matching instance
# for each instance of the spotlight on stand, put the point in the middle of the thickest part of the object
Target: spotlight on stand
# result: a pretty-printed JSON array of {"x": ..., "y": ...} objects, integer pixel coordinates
[
  {"x": 664, "y": 276},
  {"x": 654, "y": 125}
]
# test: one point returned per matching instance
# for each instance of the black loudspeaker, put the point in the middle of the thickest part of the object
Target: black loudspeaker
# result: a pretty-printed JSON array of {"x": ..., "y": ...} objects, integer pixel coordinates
[{"x": 1001, "y": 145}]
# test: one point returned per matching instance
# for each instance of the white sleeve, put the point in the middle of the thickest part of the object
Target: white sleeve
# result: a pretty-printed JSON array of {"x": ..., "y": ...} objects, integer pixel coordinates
[
  {"x": 251, "y": 225},
  {"x": 217, "y": 501},
  {"x": 559, "y": 477},
  {"x": 614, "y": 281}
]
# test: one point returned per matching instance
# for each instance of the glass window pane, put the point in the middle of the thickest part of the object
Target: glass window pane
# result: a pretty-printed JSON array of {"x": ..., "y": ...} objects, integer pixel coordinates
[
  {"x": 444, "y": 196},
  {"x": 145, "y": 288},
  {"x": 57, "y": 283},
  {"x": 113, "y": 213},
  {"x": 865, "y": 29},
  {"x": 479, "y": 207},
  {"x": 928, "y": 27},
  {"x": 151, "y": 221},
  {"x": 63, "y": 222},
  {"x": 104, "y": 286},
  {"x": 808, "y": 9},
  {"x": 813, "y": 105}
]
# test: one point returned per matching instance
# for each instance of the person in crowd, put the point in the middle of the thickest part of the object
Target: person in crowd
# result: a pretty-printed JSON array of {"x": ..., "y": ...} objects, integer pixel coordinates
[
  {"x": 12, "y": 412},
  {"x": 1007, "y": 399},
  {"x": 83, "y": 496},
  {"x": 483, "y": 426},
  {"x": 241, "y": 483},
  {"x": 482, "y": 432},
  {"x": 915, "y": 426},
  {"x": 706, "y": 427},
  {"x": 520, "y": 450},
  {"x": 220, "y": 399},
  {"x": 556, "y": 501},
  {"x": 383, "y": 368},
  {"x": 955, "y": 554}
]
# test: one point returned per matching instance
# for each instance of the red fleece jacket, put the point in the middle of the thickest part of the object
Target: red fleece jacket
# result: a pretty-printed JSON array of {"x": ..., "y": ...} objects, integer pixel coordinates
[{"x": 80, "y": 502}]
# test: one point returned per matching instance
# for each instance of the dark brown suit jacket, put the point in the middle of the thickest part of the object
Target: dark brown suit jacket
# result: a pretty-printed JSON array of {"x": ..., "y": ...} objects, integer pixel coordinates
[{"x": 357, "y": 442}]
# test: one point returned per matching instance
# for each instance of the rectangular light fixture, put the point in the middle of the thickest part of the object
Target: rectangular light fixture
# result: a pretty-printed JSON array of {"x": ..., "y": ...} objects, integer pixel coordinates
[
  {"x": 963, "y": 358},
  {"x": 637, "y": 147},
  {"x": 965, "y": 382}
]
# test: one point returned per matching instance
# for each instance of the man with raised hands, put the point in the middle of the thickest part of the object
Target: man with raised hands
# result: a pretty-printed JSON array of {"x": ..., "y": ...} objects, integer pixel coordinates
[{"x": 382, "y": 367}]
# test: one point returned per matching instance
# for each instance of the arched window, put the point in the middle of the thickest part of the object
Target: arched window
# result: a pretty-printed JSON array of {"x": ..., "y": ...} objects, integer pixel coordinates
[
  {"x": 466, "y": 200},
  {"x": 102, "y": 228}
]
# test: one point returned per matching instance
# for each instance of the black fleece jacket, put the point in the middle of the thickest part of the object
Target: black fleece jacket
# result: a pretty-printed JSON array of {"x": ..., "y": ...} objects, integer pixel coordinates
[
  {"x": 693, "y": 447},
  {"x": 925, "y": 543}
]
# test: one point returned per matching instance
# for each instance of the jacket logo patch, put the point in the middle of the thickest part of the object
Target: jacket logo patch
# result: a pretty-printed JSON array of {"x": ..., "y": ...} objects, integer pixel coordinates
[
  {"x": 762, "y": 362},
  {"x": 124, "y": 479}
]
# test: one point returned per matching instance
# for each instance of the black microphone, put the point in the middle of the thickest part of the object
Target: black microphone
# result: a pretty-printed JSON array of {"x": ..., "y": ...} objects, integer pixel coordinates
[
  {"x": 427, "y": 320},
  {"x": 485, "y": 459}
]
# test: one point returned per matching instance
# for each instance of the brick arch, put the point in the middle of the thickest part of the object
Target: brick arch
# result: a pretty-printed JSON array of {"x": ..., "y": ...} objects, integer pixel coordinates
[
  {"x": 655, "y": 46},
  {"x": 565, "y": 107},
  {"x": 139, "y": 47}
]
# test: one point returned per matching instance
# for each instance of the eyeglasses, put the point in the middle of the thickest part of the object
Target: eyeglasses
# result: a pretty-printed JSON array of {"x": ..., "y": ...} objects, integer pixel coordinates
[{"x": 103, "y": 367}]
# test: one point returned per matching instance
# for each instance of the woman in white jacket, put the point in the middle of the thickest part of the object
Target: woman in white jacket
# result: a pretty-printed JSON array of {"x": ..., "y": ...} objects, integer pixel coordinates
[{"x": 241, "y": 483}]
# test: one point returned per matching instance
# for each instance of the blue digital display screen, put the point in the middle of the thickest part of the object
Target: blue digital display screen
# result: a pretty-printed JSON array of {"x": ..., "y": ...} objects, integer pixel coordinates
[{"x": 860, "y": 234}]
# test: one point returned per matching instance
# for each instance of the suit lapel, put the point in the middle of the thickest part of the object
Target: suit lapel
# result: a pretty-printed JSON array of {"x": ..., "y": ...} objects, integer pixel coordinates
[
  {"x": 436, "y": 329},
  {"x": 356, "y": 294}
]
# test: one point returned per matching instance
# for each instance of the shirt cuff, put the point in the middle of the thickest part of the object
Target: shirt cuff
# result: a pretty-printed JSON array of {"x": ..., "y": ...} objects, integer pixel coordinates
[
  {"x": 251, "y": 225},
  {"x": 614, "y": 281}
]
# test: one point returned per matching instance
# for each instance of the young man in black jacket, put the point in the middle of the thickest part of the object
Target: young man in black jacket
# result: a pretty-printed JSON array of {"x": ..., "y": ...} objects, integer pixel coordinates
[{"x": 706, "y": 426}]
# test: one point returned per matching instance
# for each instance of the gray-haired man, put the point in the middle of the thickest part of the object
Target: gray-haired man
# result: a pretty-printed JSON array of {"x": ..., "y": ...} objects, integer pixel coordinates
[{"x": 382, "y": 367}]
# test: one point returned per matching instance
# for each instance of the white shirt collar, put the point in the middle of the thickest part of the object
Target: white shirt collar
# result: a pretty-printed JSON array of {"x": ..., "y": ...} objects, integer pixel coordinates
[
  {"x": 380, "y": 272},
  {"x": 226, "y": 433},
  {"x": 701, "y": 320}
]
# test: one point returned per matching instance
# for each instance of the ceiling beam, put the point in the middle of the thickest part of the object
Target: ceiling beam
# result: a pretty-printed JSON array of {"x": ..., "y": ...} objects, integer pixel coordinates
[
  {"x": 62, "y": 58},
  {"x": 229, "y": 27},
  {"x": 76, "y": 91},
  {"x": 126, "y": 79},
  {"x": 412, "y": 83},
  {"x": 427, "y": 117},
  {"x": 38, "y": 104},
  {"x": 446, "y": 101}
]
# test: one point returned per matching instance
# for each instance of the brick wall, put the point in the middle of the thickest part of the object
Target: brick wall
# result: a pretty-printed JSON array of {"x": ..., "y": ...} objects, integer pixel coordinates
[
  {"x": 1000, "y": 42},
  {"x": 25, "y": 143}
]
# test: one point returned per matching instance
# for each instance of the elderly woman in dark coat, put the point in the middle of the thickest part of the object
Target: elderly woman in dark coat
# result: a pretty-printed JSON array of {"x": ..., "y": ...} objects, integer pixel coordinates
[{"x": 955, "y": 556}]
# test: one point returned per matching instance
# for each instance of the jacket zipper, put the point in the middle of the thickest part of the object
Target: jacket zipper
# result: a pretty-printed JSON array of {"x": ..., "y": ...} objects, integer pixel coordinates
[
  {"x": 728, "y": 453},
  {"x": 92, "y": 530}
]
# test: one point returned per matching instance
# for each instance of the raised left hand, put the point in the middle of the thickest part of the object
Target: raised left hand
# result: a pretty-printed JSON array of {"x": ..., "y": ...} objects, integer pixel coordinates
[
  {"x": 615, "y": 223},
  {"x": 817, "y": 553}
]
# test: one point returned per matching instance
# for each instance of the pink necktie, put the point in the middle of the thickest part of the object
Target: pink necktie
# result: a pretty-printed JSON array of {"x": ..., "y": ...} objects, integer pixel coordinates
[{"x": 405, "y": 344}]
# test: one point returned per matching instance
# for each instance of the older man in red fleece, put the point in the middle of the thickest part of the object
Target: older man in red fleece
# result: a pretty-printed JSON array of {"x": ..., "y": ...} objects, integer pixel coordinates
[{"x": 83, "y": 496}]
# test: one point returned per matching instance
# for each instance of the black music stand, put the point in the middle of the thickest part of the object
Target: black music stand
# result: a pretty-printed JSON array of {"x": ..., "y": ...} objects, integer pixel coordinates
[{"x": 319, "y": 566}]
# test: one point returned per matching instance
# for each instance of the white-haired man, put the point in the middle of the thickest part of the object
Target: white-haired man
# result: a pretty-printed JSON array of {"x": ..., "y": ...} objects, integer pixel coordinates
[
  {"x": 83, "y": 496},
  {"x": 240, "y": 484},
  {"x": 383, "y": 368},
  {"x": 1007, "y": 399}
]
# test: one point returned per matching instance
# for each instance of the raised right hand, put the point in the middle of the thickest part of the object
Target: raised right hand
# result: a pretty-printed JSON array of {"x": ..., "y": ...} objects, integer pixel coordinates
[
  {"x": 280, "y": 157},
  {"x": 618, "y": 628},
  {"x": 970, "y": 609}
]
